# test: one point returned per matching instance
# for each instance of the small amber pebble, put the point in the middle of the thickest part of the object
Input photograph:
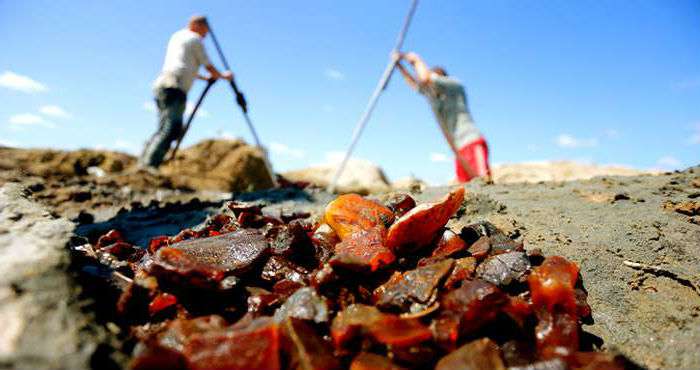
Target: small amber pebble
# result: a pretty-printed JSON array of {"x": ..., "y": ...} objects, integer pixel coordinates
[{"x": 350, "y": 213}]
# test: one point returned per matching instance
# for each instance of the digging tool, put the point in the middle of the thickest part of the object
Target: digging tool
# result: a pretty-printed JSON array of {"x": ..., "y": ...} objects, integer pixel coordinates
[
  {"x": 190, "y": 118},
  {"x": 383, "y": 82},
  {"x": 240, "y": 99}
]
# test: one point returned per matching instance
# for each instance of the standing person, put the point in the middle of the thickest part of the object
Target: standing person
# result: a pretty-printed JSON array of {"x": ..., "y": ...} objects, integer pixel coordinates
[
  {"x": 184, "y": 55},
  {"x": 449, "y": 102}
]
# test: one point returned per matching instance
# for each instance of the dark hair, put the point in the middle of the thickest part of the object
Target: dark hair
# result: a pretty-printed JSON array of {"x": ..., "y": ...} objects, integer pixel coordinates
[{"x": 439, "y": 70}]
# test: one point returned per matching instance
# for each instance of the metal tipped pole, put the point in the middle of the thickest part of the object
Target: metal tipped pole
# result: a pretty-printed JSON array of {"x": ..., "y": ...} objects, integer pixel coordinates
[
  {"x": 240, "y": 99},
  {"x": 383, "y": 81}
]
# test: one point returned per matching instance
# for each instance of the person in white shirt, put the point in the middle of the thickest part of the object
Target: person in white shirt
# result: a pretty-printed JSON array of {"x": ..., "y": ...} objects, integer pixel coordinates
[{"x": 184, "y": 55}]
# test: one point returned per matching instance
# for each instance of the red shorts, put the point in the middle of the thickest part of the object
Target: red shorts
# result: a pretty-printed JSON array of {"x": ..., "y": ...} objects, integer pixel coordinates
[{"x": 476, "y": 154}]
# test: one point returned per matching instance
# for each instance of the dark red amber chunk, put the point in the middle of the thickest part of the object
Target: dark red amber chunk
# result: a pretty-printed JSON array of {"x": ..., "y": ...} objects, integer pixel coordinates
[
  {"x": 234, "y": 252},
  {"x": 412, "y": 287},
  {"x": 252, "y": 347},
  {"x": 358, "y": 319},
  {"x": 464, "y": 269},
  {"x": 362, "y": 251},
  {"x": 306, "y": 349},
  {"x": 111, "y": 237},
  {"x": 503, "y": 269},
  {"x": 481, "y": 354},
  {"x": 475, "y": 304},
  {"x": 176, "y": 266},
  {"x": 161, "y": 302},
  {"x": 556, "y": 334},
  {"x": 371, "y": 361},
  {"x": 400, "y": 203},
  {"x": 552, "y": 284},
  {"x": 448, "y": 244}
]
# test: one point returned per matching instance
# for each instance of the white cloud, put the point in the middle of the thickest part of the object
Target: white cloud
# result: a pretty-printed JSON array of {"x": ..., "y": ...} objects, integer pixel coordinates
[
  {"x": 9, "y": 143},
  {"x": 285, "y": 151},
  {"x": 21, "y": 83},
  {"x": 568, "y": 141},
  {"x": 126, "y": 145},
  {"x": 221, "y": 133},
  {"x": 438, "y": 157},
  {"x": 334, "y": 157},
  {"x": 668, "y": 162},
  {"x": 334, "y": 74},
  {"x": 29, "y": 119},
  {"x": 54, "y": 111}
]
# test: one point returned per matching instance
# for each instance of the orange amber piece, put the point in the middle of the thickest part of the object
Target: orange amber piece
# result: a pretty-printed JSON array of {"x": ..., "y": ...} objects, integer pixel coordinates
[
  {"x": 161, "y": 302},
  {"x": 395, "y": 331},
  {"x": 448, "y": 244},
  {"x": 371, "y": 361},
  {"x": 552, "y": 284},
  {"x": 158, "y": 242},
  {"x": 385, "y": 328},
  {"x": 556, "y": 334},
  {"x": 479, "y": 354},
  {"x": 350, "y": 213},
  {"x": 362, "y": 251},
  {"x": 418, "y": 227},
  {"x": 255, "y": 346}
]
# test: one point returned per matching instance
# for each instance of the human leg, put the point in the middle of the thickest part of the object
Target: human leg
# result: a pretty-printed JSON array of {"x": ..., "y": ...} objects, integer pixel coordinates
[{"x": 171, "y": 106}]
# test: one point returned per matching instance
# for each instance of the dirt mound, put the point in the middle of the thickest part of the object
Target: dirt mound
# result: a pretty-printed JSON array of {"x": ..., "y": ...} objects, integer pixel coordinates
[
  {"x": 360, "y": 176},
  {"x": 73, "y": 182},
  {"x": 219, "y": 165},
  {"x": 557, "y": 171},
  {"x": 49, "y": 162}
]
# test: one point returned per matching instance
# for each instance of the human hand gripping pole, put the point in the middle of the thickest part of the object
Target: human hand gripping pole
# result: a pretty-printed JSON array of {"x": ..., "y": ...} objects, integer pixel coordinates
[
  {"x": 383, "y": 82},
  {"x": 240, "y": 99}
]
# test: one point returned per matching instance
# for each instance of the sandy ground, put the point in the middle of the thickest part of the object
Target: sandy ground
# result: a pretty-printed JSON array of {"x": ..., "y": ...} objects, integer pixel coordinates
[
  {"x": 557, "y": 171},
  {"x": 636, "y": 239}
]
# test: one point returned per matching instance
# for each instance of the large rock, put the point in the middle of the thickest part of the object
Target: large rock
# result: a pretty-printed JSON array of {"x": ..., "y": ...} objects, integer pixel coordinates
[
  {"x": 41, "y": 325},
  {"x": 225, "y": 165},
  {"x": 360, "y": 176}
]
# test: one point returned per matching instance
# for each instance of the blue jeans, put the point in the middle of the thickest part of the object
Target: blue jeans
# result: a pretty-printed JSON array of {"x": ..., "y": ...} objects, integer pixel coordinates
[{"x": 171, "y": 107}]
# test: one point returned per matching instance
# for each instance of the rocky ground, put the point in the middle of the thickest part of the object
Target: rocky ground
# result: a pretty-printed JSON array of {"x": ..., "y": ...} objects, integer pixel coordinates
[{"x": 637, "y": 240}]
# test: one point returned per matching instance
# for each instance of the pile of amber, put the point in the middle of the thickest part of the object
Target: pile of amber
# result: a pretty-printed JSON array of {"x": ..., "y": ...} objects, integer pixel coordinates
[{"x": 372, "y": 285}]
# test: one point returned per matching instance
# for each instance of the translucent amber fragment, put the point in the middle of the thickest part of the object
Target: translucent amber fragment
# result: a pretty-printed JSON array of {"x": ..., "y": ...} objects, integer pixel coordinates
[
  {"x": 350, "y": 213},
  {"x": 419, "y": 226}
]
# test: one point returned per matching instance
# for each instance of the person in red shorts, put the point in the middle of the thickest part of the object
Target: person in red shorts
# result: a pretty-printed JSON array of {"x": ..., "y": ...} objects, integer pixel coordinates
[{"x": 448, "y": 99}]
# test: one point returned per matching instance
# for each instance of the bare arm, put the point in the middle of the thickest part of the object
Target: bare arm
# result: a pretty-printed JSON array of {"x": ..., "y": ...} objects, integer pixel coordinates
[
  {"x": 213, "y": 72},
  {"x": 410, "y": 80},
  {"x": 422, "y": 71}
]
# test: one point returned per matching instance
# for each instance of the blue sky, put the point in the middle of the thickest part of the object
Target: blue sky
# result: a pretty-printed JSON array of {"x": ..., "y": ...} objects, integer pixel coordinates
[{"x": 602, "y": 81}]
